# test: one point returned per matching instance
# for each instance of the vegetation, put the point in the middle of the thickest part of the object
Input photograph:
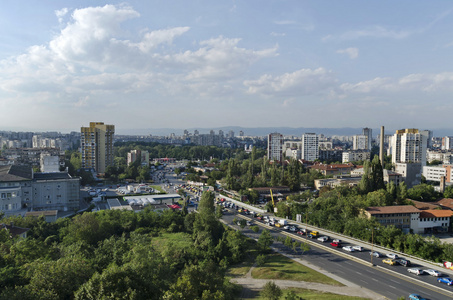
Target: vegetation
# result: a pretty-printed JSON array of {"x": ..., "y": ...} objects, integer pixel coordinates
[{"x": 121, "y": 255}]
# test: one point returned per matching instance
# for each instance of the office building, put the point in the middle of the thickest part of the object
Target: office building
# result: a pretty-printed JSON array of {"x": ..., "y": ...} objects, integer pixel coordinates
[
  {"x": 310, "y": 147},
  {"x": 275, "y": 146},
  {"x": 97, "y": 146}
]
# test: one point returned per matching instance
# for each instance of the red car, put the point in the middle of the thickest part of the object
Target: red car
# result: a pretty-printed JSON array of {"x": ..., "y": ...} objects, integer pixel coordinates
[
  {"x": 300, "y": 232},
  {"x": 335, "y": 244}
]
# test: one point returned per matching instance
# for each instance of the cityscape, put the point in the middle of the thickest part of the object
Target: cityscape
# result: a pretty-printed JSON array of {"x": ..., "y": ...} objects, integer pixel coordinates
[{"x": 173, "y": 150}]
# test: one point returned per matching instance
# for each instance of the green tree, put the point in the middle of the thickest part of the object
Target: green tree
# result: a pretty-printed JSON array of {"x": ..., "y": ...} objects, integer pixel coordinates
[
  {"x": 265, "y": 240},
  {"x": 271, "y": 291},
  {"x": 448, "y": 193}
]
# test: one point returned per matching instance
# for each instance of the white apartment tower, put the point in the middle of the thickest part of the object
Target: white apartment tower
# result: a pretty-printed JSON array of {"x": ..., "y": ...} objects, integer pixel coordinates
[
  {"x": 447, "y": 143},
  {"x": 275, "y": 146},
  {"x": 310, "y": 146},
  {"x": 359, "y": 142},
  {"x": 409, "y": 146},
  {"x": 97, "y": 146}
]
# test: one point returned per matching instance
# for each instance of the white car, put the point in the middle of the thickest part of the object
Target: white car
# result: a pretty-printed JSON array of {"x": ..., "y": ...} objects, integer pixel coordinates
[
  {"x": 392, "y": 256},
  {"x": 286, "y": 227},
  {"x": 323, "y": 239},
  {"x": 357, "y": 248},
  {"x": 375, "y": 254},
  {"x": 249, "y": 223},
  {"x": 293, "y": 228},
  {"x": 348, "y": 248},
  {"x": 415, "y": 271},
  {"x": 337, "y": 241},
  {"x": 433, "y": 272}
]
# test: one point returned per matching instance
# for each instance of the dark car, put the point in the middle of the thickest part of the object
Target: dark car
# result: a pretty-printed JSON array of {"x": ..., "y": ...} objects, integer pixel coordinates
[{"x": 403, "y": 262}]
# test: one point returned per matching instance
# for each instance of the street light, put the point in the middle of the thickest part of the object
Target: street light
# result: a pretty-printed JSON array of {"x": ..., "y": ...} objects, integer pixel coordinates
[{"x": 372, "y": 242}]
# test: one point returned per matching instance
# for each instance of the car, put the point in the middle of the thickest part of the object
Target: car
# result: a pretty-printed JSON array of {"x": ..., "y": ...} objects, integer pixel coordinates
[
  {"x": 323, "y": 239},
  {"x": 433, "y": 272},
  {"x": 403, "y": 262},
  {"x": 286, "y": 227},
  {"x": 416, "y": 297},
  {"x": 392, "y": 256},
  {"x": 389, "y": 261},
  {"x": 357, "y": 248},
  {"x": 337, "y": 241},
  {"x": 335, "y": 244},
  {"x": 293, "y": 228},
  {"x": 415, "y": 271},
  {"x": 301, "y": 232},
  {"x": 314, "y": 233},
  {"x": 249, "y": 223},
  {"x": 348, "y": 248},
  {"x": 446, "y": 280},
  {"x": 375, "y": 254}
]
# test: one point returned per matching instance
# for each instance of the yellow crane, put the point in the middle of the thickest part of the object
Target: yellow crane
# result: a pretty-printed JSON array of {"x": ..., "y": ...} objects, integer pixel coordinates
[{"x": 272, "y": 197}]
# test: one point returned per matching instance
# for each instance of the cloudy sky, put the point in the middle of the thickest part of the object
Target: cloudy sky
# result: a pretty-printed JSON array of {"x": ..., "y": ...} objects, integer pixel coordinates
[{"x": 186, "y": 64}]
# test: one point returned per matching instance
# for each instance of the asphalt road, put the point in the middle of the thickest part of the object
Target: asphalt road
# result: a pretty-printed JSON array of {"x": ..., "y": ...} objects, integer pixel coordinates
[{"x": 377, "y": 278}]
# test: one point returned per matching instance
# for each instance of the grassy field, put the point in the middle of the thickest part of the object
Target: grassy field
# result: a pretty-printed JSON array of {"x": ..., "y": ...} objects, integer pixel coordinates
[
  {"x": 177, "y": 240},
  {"x": 280, "y": 267},
  {"x": 158, "y": 188},
  {"x": 312, "y": 295}
]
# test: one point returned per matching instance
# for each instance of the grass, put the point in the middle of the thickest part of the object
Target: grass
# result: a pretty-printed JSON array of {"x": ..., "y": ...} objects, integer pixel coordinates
[
  {"x": 280, "y": 267},
  {"x": 178, "y": 240},
  {"x": 158, "y": 188},
  {"x": 307, "y": 294}
]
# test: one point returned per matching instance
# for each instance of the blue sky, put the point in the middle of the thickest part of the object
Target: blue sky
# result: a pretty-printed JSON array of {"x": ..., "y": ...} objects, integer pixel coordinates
[{"x": 254, "y": 63}]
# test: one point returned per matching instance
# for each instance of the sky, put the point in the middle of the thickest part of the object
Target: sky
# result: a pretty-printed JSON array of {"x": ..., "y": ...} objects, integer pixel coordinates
[{"x": 251, "y": 63}]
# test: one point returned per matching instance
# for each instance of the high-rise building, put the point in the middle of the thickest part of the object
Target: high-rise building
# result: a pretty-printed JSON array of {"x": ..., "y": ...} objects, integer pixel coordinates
[
  {"x": 409, "y": 146},
  {"x": 275, "y": 146},
  {"x": 360, "y": 142},
  {"x": 447, "y": 143},
  {"x": 368, "y": 132},
  {"x": 97, "y": 146},
  {"x": 141, "y": 155},
  {"x": 310, "y": 147}
]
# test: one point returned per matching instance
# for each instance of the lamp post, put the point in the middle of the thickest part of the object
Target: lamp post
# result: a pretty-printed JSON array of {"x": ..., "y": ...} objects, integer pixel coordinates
[{"x": 372, "y": 243}]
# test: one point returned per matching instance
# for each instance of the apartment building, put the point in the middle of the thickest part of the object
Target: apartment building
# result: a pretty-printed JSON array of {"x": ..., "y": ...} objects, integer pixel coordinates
[
  {"x": 355, "y": 155},
  {"x": 97, "y": 146},
  {"x": 310, "y": 147},
  {"x": 275, "y": 146}
]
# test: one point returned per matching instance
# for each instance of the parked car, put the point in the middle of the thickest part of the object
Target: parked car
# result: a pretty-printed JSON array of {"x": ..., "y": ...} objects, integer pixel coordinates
[
  {"x": 389, "y": 261},
  {"x": 357, "y": 248},
  {"x": 416, "y": 297},
  {"x": 335, "y": 244},
  {"x": 323, "y": 238},
  {"x": 392, "y": 256},
  {"x": 415, "y": 271},
  {"x": 348, "y": 248},
  {"x": 433, "y": 272},
  {"x": 376, "y": 254},
  {"x": 403, "y": 262},
  {"x": 446, "y": 280}
]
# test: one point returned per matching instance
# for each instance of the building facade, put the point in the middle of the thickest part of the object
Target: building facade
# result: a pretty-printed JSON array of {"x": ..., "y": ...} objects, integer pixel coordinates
[
  {"x": 275, "y": 146},
  {"x": 97, "y": 146},
  {"x": 310, "y": 147},
  {"x": 141, "y": 155},
  {"x": 409, "y": 146},
  {"x": 355, "y": 155}
]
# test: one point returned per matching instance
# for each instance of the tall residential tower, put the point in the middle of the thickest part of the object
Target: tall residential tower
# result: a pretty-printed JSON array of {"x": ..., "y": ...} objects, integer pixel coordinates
[{"x": 97, "y": 146}]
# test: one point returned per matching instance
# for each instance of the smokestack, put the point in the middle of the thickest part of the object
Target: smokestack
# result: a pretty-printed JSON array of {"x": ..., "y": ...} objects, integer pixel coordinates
[{"x": 381, "y": 147}]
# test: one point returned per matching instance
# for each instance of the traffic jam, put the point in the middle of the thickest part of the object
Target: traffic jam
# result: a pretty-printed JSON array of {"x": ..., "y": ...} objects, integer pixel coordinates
[{"x": 388, "y": 260}]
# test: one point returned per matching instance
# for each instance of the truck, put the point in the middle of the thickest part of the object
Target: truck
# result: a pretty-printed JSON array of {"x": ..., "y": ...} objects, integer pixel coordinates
[{"x": 282, "y": 222}]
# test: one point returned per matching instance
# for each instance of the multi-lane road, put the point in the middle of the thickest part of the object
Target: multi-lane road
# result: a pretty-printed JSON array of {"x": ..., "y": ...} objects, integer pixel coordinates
[{"x": 389, "y": 281}]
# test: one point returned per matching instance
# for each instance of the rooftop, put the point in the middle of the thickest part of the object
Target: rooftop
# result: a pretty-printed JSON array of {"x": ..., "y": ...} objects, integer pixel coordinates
[
  {"x": 51, "y": 176},
  {"x": 15, "y": 173},
  {"x": 436, "y": 213},
  {"x": 397, "y": 209}
]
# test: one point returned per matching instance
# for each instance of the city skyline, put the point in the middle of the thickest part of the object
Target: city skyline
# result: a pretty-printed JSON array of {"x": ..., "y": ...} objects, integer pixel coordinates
[{"x": 160, "y": 64}]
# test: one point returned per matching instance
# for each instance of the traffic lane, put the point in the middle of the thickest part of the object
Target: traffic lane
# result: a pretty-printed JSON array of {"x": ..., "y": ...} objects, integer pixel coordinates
[{"x": 376, "y": 279}]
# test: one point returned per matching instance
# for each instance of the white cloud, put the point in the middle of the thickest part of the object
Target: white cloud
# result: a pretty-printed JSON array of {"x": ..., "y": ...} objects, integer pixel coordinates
[
  {"x": 372, "y": 32},
  {"x": 278, "y": 34},
  {"x": 353, "y": 53},
  {"x": 299, "y": 83},
  {"x": 61, "y": 13}
]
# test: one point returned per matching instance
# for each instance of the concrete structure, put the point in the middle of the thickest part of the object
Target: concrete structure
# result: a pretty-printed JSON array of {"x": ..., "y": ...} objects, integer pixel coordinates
[
  {"x": 310, "y": 147},
  {"x": 446, "y": 157},
  {"x": 141, "y": 155},
  {"x": 381, "y": 147},
  {"x": 333, "y": 169},
  {"x": 435, "y": 173},
  {"x": 355, "y": 155},
  {"x": 49, "y": 163},
  {"x": 335, "y": 182},
  {"x": 368, "y": 133},
  {"x": 409, "y": 146},
  {"x": 447, "y": 143},
  {"x": 275, "y": 146},
  {"x": 359, "y": 142},
  {"x": 391, "y": 176},
  {"x": 21, "y": 190},
  {"x": 410, "y": 172},
  {"x": 97, "y": 146},
  {"x": 330, "y": 155}
]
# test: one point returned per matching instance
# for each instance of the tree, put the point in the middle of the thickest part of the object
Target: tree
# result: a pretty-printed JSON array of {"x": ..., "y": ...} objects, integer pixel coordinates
[
  {"x": 423, "y": 192},
  {"x": 265, "y": 240},
  {"x": 271, "y": 291},
  {"x": 448, "y": 193}
]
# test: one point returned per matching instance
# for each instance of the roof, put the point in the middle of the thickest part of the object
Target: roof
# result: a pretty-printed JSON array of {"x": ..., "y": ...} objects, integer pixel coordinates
[
  {"x": 397, "y": 209},
  {"x": 446, "y": 202},
  {"x": 14, "y": 230},
  {"x": 436, "y": 213},
  {"x": 41, "y": 213},
  {"x": 51, "y": 176},
  {"x": 15, "y": 173},
  {"x": 424, "y": 205},
  {"x": 333, "y": 166}
]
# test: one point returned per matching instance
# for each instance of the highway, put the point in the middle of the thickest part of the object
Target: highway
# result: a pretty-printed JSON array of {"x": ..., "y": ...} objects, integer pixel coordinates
[{"x": 389, "y": 281}]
